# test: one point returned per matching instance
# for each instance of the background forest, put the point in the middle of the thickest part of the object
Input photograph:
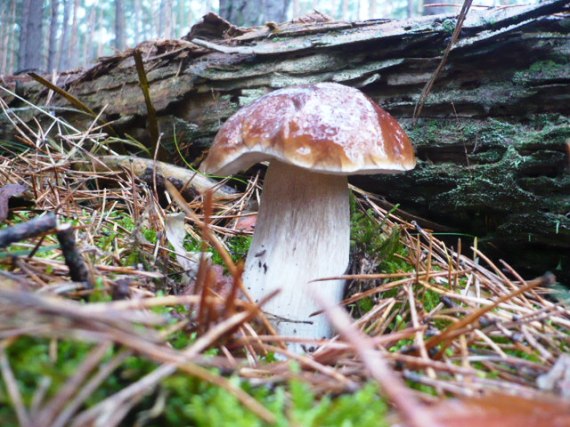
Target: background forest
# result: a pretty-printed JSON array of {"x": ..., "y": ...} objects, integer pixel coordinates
[{"x": 50, "y": 35}]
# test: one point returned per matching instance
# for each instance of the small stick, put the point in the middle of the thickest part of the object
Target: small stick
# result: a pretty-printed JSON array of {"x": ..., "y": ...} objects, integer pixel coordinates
[
  {"x": 78, "y": 270},
  {"x": 12, "y": 389},
  {"x": 25, "y": 230}
]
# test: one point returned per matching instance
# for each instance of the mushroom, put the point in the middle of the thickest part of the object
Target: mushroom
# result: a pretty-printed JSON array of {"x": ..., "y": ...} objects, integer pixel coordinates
[{"x": 313, "y": 137}]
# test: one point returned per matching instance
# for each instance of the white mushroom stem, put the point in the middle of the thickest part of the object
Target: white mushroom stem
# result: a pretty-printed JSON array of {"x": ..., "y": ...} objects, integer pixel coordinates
[{"x": 302, "y": 233}]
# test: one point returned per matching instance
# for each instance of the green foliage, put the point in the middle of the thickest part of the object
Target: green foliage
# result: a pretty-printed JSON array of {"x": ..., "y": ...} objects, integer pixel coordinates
[
  {"x": 365, "y": 304},
  {"x": 542, "y": 70},
  {"x": 368, "y": 237},
  {"x": 238, "y": 246},
  {"x": 430, "y": 300},
  {"x": 449, "y": 25},
  {"x": 188, "y": 401},
  {"x": 294, "y": 404}
]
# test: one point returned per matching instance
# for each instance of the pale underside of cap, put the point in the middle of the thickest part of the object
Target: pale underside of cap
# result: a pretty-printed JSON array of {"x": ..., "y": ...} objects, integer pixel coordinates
[{"x": 327, "y": 128}]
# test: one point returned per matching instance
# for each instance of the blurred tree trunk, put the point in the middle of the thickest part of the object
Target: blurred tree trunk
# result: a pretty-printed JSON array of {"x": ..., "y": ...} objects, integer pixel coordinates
[
  {"x": 4, "y": 13},
  {"x": 275, "y": 10},
  {"x": 410, "y": 8},
  {"x": 183, "y": 19},
  {"x": 52, "y": 43},
  {"x": 31, "y": 37},
  {"x": 23, "y": 39},
  {"x": 254, "y": 12},
  {"x": 73, "y": 47},
  {"x": 372, "y": 9},
  {"x": 64, "y": 41},
  {"x": 88, "y": 44},
  {"x": 137, "y": 23},
  {"x": 344, "y": 9},
  {"x": 436, "y": 10},
  {"x": 165, "y": 19},
  {"x": 174, "y": 19},
  {"x": 99, "y": 21},
  {"x": 154, "y": 20},
  {"x": 120, "y": 42},
  {"x": 241, "y": 12},
  {"x": 296, "y": 9},
  {"x": 11, "y": 60}
]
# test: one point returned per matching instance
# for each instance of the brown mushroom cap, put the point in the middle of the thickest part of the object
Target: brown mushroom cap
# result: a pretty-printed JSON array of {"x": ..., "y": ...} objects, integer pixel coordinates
[{"x": 326, "y": 127}]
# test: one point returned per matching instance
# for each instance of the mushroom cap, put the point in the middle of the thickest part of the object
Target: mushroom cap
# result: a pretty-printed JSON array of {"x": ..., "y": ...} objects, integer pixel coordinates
[{"x": 325, "y": 127}]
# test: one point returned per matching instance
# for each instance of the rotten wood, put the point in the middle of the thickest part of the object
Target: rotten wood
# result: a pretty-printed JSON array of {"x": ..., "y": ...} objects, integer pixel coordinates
[
  {"x": 189, "y": 182},
  {"x": 78, "y": 269}
]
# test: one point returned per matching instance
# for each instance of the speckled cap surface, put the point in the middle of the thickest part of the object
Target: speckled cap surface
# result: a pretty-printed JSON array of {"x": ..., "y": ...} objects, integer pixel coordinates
[{"x": 326, "y": 127}]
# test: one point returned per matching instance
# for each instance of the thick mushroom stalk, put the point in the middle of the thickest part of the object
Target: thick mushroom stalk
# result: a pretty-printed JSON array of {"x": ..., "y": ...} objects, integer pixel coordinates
[
  {"x": 313, "y": 136},
  {"x": 302, "y": 233}
]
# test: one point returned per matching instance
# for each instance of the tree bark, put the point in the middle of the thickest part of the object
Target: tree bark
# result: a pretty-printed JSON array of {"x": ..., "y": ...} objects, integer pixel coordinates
[
  {"x": 31, "y": 37},
  {"x": 492, "y": 141},
  {"x": 52, "y": 48},
  {"x": 73, "y": 49},
  {"x": 275, "y": 10},
  {"x": 88, "y": 49},
  {"x": 120, "y": 42},
  {"x": 240, "y": 12},
  {"x": 24, "y": 28},
  {"x": 165, "y": 19},
  {"x": 4, "y": 35},
  {"x": 137, "y": 24},
  {"x": 11, "y": 60},
  {"x": 64, "y": 42}
]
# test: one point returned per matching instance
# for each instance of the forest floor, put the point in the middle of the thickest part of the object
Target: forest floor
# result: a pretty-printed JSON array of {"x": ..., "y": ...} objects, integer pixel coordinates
[{"x": 154, "y": 331}]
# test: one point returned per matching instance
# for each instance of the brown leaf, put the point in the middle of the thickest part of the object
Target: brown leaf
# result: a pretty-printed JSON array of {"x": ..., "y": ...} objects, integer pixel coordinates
[
  {"x": 9, "y": 190},
  {"x": 502, "y": 410}
]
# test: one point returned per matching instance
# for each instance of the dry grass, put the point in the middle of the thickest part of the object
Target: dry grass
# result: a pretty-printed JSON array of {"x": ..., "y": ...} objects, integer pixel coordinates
[{"x": 450, "y": 322}]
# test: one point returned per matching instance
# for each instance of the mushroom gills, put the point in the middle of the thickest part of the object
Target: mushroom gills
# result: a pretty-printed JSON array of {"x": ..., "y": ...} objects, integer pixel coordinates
[{"x": 302, "y": 233}]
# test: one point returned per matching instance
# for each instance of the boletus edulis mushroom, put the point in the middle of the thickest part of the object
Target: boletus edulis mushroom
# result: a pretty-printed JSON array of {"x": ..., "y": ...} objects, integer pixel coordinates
[{"x": 313, "y": 137}]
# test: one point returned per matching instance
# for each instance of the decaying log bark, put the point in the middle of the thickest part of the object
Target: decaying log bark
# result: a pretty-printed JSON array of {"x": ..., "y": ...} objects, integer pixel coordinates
[{"x": 492, "y": 141}]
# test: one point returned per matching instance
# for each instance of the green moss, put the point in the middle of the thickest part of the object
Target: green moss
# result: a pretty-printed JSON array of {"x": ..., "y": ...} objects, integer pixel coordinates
[
  {"x": 542, "y": 70},
  {"x": 187, "y": 400},
  {"x": 368, "y": 237},
  {"x": 448, "y": 25},
  {"x": 430, "y": 300}
]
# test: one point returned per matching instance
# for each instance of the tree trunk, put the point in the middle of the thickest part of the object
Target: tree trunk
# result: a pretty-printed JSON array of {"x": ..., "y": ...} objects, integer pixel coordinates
[
  {"x": 372, "y": 9},
  {"x": 99, "y": 21},
  {"x": 74, "y": 59},
  {"x": 31, "y": 37},
  {"x": 137, "y": 18},
  {"x": 11, "y": 60},
  {"x": 492, "y": 142},
  {"x": 165, "y": 19},
  {"x": 119, "y": 25},
  {"x": 296, "y": 9},
  {"x": 410, "y": 9},
  {"x": 64, "y": 42},
  {"x": 88, "y": 49},
  {"x": 241, "y": 12},
  {"x": 24, "y": 28},
  {"x": 436, "y": 7},
  {"x": 52, "y": 48},
  {"x": 275, "y": 11},
  {"x": 4, "y": 25}
]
